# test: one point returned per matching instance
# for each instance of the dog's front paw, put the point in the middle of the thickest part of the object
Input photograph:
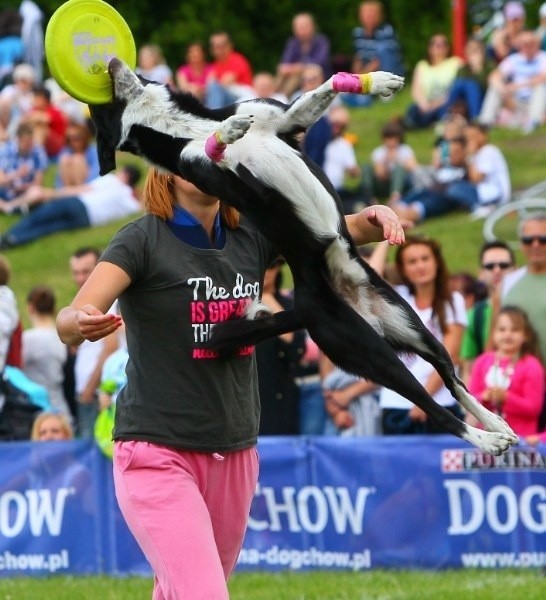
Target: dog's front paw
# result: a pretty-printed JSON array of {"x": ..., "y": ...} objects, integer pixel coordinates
[
  {"x": 385, "y": 84},
  {"x": 492, "y": 442},
  {"x": 234, "y": 128}
]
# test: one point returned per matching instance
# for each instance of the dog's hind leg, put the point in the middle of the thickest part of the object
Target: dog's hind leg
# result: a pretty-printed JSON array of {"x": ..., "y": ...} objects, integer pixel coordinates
[
  {"x": 354, "y": 346},
  {"x": 420, "y": 341}
]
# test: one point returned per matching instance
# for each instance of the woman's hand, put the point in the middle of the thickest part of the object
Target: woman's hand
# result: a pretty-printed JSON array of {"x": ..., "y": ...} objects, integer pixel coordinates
[
  {"x": 93, "y": 325},
  {"x": 375, "y": 224}
]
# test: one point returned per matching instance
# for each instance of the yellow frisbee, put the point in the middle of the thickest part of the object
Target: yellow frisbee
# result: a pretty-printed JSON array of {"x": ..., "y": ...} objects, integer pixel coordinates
[{"x": 81, "y": 38}]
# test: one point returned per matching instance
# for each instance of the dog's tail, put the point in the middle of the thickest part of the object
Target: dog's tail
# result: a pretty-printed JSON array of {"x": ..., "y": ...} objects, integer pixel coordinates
[{"x": 229, "y": 335}]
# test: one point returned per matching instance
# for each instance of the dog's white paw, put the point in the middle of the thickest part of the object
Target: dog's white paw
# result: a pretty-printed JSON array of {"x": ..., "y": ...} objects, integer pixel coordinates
[
  {"x": 234, "y": 128},
  {"x": 492, "y": 442},
  {"x": 493, "y": 422},
  {"x": 385, "y": 84}
]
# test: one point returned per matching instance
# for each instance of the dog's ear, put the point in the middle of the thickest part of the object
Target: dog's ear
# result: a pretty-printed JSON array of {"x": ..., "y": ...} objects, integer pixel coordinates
[{"x": 107, "y": 121}]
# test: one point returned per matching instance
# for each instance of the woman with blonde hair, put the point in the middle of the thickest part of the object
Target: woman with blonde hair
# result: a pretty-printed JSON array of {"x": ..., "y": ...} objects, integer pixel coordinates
[
  {"x": 50, "y": 426},
  {"x": 153, "y": 66},
  {"x": 186, "y": 424}
]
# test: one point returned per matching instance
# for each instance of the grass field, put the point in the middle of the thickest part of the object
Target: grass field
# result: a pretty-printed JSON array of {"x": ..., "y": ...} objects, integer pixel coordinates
[{"x": 375, "y": 585}]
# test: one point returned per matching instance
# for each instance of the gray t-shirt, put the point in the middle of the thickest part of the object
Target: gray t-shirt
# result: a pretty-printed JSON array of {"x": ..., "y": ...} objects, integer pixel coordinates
[{"x": 178, "y": 392}]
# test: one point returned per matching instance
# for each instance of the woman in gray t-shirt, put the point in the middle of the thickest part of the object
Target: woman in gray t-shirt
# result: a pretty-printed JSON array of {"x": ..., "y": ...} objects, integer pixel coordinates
[{"x": 185, "y": 464}]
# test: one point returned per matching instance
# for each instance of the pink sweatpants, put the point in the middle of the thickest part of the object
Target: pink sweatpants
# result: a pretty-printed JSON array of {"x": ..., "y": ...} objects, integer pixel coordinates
[{"x": 188, "y": 512}]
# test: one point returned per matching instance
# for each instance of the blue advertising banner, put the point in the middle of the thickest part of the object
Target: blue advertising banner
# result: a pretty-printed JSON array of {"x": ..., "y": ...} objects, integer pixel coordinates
[
  {"x": 412, "y": 502},
  {"x": 321, "y": 503}
]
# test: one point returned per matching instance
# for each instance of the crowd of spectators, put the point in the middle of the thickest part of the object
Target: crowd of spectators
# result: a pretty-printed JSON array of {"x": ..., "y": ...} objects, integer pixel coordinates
[{"x": 499, "y": 82}]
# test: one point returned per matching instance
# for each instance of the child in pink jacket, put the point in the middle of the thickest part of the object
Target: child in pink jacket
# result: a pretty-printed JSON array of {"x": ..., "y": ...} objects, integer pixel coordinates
[{"x": 509, "y": 380}]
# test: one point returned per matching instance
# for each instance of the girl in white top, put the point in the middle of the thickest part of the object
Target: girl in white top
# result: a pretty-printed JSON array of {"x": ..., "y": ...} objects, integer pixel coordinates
[{"x": 423, "y": 270}]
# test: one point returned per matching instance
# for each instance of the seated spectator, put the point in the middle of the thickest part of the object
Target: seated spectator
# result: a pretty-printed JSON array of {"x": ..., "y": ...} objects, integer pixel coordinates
[
  {"x": 423, "y": 269},
  {"x": 468, "y": 90},
  {"x": 352, "y": 403},
  {"x": 431, "y": 83},
  {"x": 48, "y": 122},
  {"x": 78, "y": 161},
  {"x": 376, "y": 47},
  {"x": 100, "y": 201},
  {"x": 305, "y": 46},
  {"x": 230, "y": 79},
  {"x": 75, "y": 111},
  {"x": 192, "y": 75},
  {"x": 152, "y": 65},
  {"x": 22, "y": 164},
  {"x": 263, "y": 85},
  {"x": 44, "y": 355},
  {"x": 318, "y": 136},
  {"x": 451, "y": 127},
  {"x": 51, "y": 427},
  {"x": 16, "y": 99},
  {"x": 340, "y": 161},
  {"x": 432, "y": 199},
  {"x": 487, "y": 183},
  {"x": 509, "y": 380},
  {"x": 389, "y": 173},
  {"x": 11, "y": 44},
  {"x": 541, "y": 29},
  {"x": 504, "y": 39},
  {"x": 469, "y": 286},
  {"x": 517, "y": 85}
]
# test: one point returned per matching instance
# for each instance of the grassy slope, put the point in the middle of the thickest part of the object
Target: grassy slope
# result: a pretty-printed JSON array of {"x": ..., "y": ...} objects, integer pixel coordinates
[{"x": 46, "y": 261}]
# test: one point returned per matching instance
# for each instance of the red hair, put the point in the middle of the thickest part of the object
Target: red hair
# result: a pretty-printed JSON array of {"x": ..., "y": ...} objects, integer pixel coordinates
[{"x": 159, "y": 199}]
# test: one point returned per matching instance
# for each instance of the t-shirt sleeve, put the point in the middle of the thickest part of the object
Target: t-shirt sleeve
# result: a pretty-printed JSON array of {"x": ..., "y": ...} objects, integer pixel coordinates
[
  {"x": 128, "y": 250},
  {"x": 456, "y": 314}
]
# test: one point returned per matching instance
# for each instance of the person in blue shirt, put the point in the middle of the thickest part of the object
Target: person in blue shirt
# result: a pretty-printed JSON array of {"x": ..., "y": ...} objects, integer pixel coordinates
[{"x": 376, "y": 47}]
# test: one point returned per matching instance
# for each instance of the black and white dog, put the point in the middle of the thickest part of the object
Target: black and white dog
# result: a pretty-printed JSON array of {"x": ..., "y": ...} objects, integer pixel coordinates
[{"x": 247, "y": 155}]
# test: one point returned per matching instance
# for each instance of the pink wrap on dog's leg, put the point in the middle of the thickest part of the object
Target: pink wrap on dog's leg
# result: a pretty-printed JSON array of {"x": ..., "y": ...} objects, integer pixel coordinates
[
  {"x": 352, "y": 83},
  {"x": 214, "y": 147}
]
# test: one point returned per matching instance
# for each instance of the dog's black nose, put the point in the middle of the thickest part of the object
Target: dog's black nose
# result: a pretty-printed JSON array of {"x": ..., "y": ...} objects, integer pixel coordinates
[{"x": 114, "y": 65}]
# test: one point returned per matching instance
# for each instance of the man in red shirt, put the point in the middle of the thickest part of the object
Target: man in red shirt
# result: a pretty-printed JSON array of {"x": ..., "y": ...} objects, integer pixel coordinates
[
  {"x": 231, "y": 76},
  {"x": 49, "y": 123}
]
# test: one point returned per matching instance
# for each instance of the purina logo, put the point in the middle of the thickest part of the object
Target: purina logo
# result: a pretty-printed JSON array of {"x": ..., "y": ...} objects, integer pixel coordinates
[{"x": 460, "y": 461}]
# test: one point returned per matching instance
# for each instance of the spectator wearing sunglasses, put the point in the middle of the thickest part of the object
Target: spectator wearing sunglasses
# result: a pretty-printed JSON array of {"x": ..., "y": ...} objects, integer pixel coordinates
[
  {"x": 526, "y": 287},
  {"x": 497, "y": 260}
]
